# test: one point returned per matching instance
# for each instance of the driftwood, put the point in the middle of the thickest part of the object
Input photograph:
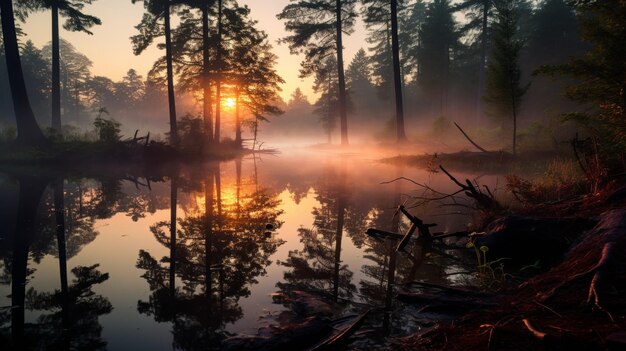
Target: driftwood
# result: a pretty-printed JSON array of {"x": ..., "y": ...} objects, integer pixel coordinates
[{"x": 417, "y": 224}]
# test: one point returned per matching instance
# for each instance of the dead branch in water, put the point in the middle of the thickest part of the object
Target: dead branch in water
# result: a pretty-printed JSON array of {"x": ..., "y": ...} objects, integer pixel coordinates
[{"x": 484, "y": 201}]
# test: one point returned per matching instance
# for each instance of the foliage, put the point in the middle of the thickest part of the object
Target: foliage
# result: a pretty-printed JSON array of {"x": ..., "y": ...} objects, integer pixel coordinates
[
  {"x": 313, "y": 23},
  {"x": 108, "y": 130},
  {"x": 190, "y": 133},
  {"x": 327, "y": 106},
  {"x": 599, "y": 75},
  {"x": 562, "y": 179}
]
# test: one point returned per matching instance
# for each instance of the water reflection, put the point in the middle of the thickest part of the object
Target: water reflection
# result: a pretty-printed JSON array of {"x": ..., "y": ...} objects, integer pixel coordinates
[
  {"x": 183, "y": 259},
  {"x": 216, "y": 255},
  {"x": 318, "y": 267},
  {"x": 68, "y": 317}
]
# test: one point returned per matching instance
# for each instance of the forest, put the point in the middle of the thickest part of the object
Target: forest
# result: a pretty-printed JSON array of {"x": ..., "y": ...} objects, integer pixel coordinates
[{"x": 433, "y": 174}]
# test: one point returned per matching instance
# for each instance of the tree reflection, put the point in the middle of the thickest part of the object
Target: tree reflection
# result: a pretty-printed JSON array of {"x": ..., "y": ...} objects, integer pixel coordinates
[
  {"x": 75, "y": 308},
  {"x": 317, "y": 267},
  {"x": 216, "y": 256},
  {"x": 73, "y": 322}
]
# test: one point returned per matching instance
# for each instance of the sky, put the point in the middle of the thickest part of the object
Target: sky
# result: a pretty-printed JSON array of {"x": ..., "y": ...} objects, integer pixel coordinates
[{"x": 111, "y": 51}]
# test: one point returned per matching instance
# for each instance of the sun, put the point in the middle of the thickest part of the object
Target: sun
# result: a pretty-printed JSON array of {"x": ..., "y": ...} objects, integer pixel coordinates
[{"x": 230, "y": 103}]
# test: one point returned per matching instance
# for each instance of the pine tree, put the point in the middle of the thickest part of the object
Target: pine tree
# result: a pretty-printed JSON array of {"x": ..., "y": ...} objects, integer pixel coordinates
[
  {"x": 76, "y": 21},
  {"x": 149, "y": 29},
  {"x": 318, "y": 27},
  {"x": 326, "y": 107},
  {"x": 600, "y": 74},
  {"x": 504, "y": 90},
  {"x": 438, "y": 38},
  {"x": 362, "y": 91}
]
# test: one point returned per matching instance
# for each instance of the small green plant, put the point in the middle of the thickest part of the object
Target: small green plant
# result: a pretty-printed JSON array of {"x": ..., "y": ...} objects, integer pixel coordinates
[
  {"x": 490, "y": 274},
  {"x": 108, "y": 130}
]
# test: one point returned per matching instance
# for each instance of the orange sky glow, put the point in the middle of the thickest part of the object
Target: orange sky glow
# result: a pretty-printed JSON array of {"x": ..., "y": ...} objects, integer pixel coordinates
[{"x": 111, "y": 52}]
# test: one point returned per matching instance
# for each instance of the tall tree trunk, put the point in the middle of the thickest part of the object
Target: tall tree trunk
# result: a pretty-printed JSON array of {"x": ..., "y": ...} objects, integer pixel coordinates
[
  {"x": 397, "y": 80},
  {"x": 218, "y": 90},
  {"x": 329, "y": 112},
  {"x": 238, "y": 140},
  {"x": 28, "y": 132},
  {"x": 482, "y": 63},
  {"x": 206, "y": 81},
  {"x": 56, "y": 69},
  {"x": 343, "y": 110},
  {"x": 514, "y": 110},
  {"x": 170, "y": 78}
]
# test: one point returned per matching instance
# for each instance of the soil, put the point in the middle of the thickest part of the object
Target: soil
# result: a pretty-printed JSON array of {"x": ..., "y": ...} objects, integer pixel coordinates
[{"x": 579, "y": 304}]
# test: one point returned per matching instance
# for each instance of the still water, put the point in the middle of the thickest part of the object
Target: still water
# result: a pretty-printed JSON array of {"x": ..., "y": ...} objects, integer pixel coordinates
[{"x": 187, "y": 258}]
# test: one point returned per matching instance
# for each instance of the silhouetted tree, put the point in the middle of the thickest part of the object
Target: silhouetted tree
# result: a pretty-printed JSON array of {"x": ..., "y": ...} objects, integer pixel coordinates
[
  {"x": 397, "y": 79},
  {"x": 362, "y": 91},
  {"x": 479, "y": 13},
  {"x": 600, "y": 73},
  {"x": 504, "y": 87},
  {"x": 37, "y": 78},
  {"x": 327, "y": 106},
  {"x": 318, "y": 27},
  {"x": 28, "y": 132},
  {"x": 149, "y": 30},
  {"x": 76, "y": 21},
  {"x": 438, "y": 39},
  {"x": 298, "y": 100},
  {"x": 75, "y": 74}
]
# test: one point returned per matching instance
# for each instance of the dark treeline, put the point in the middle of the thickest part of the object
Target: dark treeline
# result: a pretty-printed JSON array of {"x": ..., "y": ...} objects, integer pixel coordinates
[
  {"x": 135, "y": 101},
  {"x": 483, "y": 63},
  {"x": 451, "y": 60}
]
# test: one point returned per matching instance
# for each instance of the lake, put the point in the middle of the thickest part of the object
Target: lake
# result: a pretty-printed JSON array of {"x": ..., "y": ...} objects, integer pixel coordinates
[{"x": 94, "y": 261}]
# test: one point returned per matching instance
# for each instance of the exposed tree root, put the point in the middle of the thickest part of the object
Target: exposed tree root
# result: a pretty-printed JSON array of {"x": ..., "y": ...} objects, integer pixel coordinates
[{"x": 592, "y": 273}]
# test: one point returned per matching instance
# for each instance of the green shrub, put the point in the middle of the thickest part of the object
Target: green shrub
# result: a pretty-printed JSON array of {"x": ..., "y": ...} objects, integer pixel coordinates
[{"x": 108, "y": 130}]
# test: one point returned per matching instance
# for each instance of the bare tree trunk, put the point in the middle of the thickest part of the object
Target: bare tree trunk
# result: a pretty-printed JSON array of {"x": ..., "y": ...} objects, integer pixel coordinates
[
  {"x": 170, "y": 78},
  {"x": 343, "y": 111},
  {"x": 397, "y": 80},
  {"x": 482, "y": 63},
  {"x": 218, "y": 92},
  {"x": 56, "y": 68},
  {"x": 28, "y": 132},
  {"x": 206, "y": 82},
  {"x": 237, "y": 119}
]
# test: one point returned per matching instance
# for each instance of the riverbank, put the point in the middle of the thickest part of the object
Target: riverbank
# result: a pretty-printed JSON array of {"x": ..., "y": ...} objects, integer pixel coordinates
[{"x": 577, "y": 304}]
